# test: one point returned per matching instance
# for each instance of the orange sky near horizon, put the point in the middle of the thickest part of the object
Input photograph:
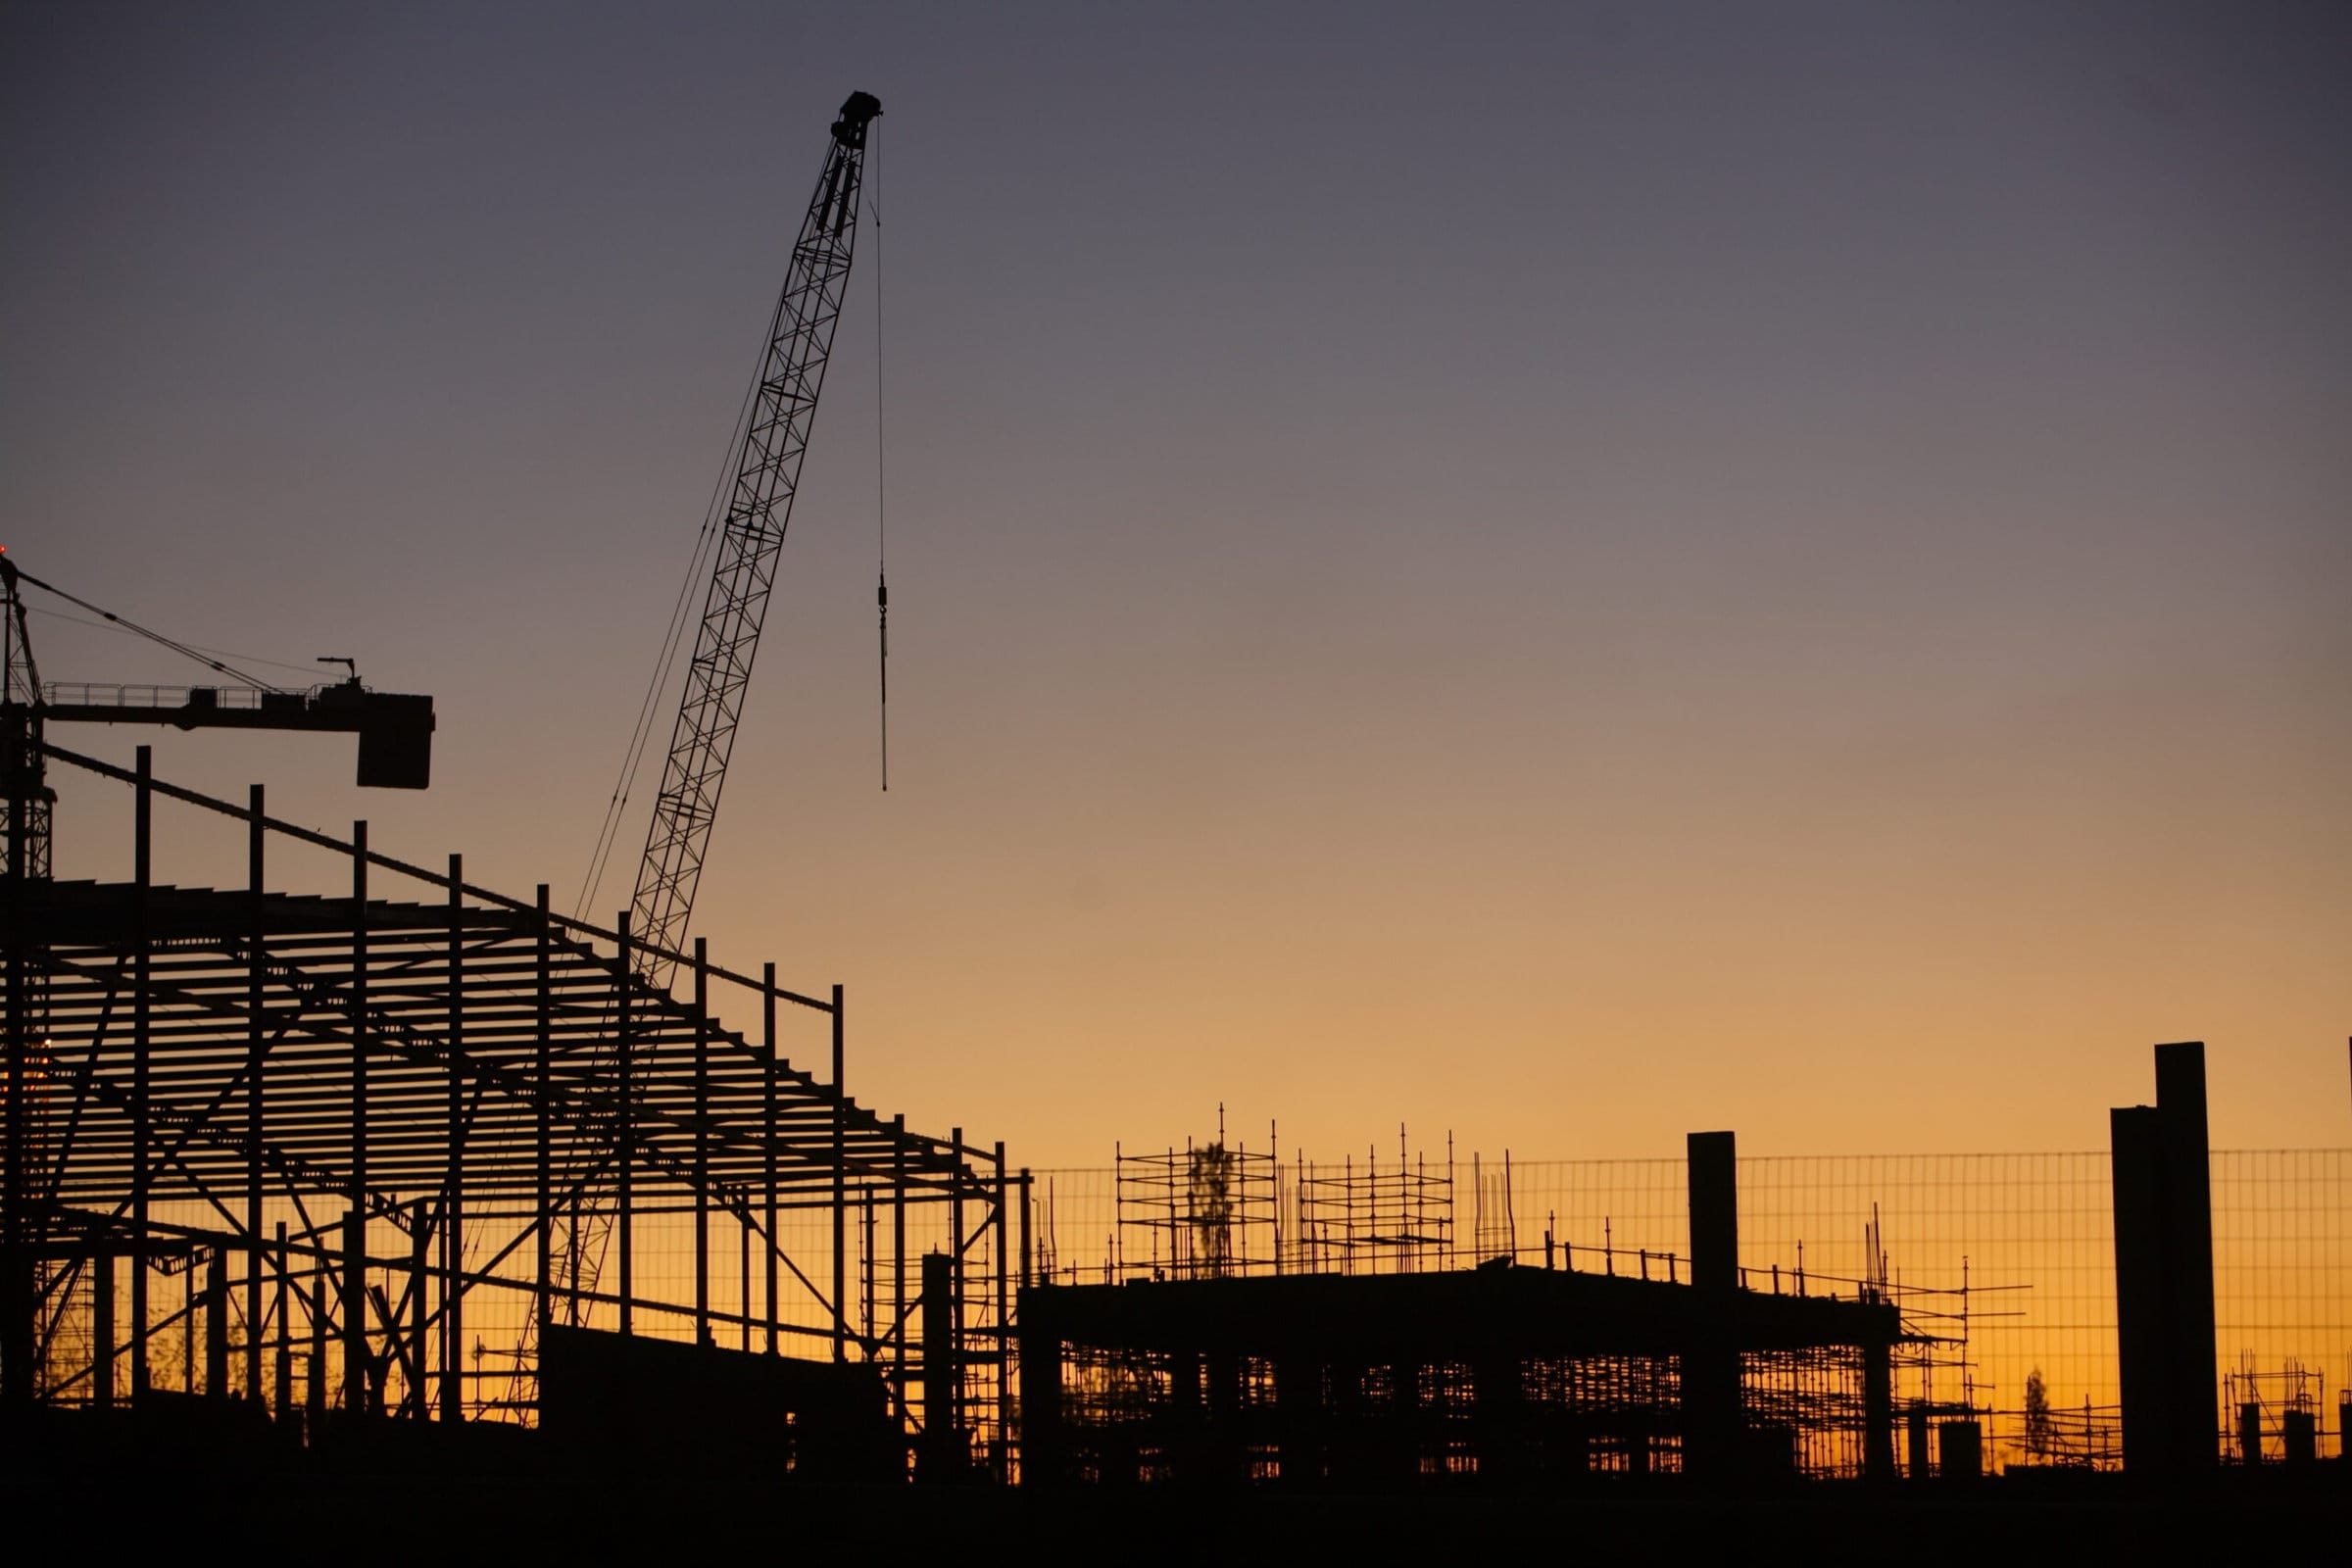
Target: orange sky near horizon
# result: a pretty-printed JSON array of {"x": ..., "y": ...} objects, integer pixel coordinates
[{"x": 1564, "y": 581}]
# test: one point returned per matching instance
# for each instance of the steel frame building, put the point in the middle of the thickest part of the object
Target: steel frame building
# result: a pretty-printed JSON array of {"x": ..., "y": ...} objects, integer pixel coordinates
[{"x": 344, "y": 1144}]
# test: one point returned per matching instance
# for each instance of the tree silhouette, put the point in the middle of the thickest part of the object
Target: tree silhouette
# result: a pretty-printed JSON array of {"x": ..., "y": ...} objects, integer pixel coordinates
[{"x": 2037, "y": 1415}]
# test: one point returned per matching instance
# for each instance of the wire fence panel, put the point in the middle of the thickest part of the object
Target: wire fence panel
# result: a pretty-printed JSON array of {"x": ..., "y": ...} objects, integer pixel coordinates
[{"x": 2003, "y": 1264}]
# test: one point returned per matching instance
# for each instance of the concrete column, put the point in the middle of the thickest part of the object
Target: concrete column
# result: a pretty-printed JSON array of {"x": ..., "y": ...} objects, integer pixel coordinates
[
  {"x": 1042, "y": 1434},
  {"x": 941, "y": 1456},
  {"x": 2188, "y": 1250},
  {"x": 1711, "y": 1360},
  {"x": 1714, "y": 1181},
  {"x": 2142, "y": 1310},
  {"x": 2164, "y": 1271},
  {"x": 1878, "y": 1412},
  {"x": 1498, "y": 1407},
  {"x": 2302, "y": 1436},
  {"x": 1960, "y": 1447}
]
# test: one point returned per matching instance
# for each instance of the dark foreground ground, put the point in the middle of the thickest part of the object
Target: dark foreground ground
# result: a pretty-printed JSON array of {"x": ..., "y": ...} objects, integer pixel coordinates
[{"x": 384, "y": 1498}]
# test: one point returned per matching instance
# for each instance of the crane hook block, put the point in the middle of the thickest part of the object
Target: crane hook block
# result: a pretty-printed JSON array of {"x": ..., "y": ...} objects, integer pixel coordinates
[{"x": 860, "y": 109}]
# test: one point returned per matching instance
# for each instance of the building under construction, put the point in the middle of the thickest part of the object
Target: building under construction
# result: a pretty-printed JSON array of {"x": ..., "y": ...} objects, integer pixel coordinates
[
  {"x": 424, "y": 1151},
  {"x": 420, "y": 1152},
  {"x": 1315, "y": 1377}
]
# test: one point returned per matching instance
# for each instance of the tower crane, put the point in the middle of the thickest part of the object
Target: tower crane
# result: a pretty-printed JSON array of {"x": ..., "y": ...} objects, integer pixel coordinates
[
  {"x": 396, "y": 740},
  {"x": 395, "y": 728}
]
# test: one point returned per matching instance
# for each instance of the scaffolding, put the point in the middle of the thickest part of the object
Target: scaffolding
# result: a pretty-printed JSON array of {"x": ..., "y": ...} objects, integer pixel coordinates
[
  {"x": 1355, "y": 1346},
  {"x": 1221, "y": 1209},
  {"x": 1482, "y": 1377},
  {"x": 1377, "y": 1218},
  {"x": 315, "y": 1154},
  {"x": 1205, "y": 1212},
  {"x": 2275, "y": 1412}
]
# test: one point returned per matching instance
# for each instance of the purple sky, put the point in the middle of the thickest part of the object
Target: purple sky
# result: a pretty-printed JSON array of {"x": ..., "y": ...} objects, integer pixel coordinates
[{"x": 1572, "y": 572}]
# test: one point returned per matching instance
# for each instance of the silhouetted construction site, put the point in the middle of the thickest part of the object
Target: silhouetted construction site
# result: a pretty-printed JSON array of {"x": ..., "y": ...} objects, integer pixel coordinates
[
  {"x": 359, "y": 1157},
  {"x": 416, "y": 1151},
  {"x": 423, "y": 1156},
  {"x": 423, "y": 1153},
  {"x": 1367, "y": 1377}
]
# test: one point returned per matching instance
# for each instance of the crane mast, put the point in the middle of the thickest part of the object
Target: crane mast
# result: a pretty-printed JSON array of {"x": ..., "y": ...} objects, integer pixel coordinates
[{"x": 767, "y": 469}]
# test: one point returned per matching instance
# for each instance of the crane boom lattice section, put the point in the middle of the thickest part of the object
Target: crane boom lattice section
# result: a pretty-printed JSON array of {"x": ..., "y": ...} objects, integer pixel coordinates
[{"x": 766, "y": 468}]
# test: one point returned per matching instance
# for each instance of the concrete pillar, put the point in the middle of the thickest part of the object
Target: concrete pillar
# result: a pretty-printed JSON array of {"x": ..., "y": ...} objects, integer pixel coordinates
[
  {"x": 2188, "y": 1248},
  {"x": 1497, "y": 1405},
  {"x": 1711, "y": 1361},
  {"x": 1223, "y": 1459},
  {"x": 1714, "y": 1183},
  {"x": 2164, "y": 1271},
  {"x": 1042, "y": 1432},
  {"x": 1299, "y": 1420},
  {"x": 2302, "y": 1436},
  {"x": 1962, "y": 1450},
  {"x": 1878, "y": 1412},
  {"x": 1188, "y": 1417},
  {"x": 942, "y": 1455},
  {"x": 2142, "y": 1311}
]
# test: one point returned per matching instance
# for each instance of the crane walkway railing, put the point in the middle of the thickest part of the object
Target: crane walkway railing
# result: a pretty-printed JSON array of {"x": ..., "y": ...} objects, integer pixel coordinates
[{"x": 88, "y": 694}]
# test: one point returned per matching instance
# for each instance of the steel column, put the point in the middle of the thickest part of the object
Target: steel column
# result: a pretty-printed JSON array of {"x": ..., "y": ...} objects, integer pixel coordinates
[
  {"x": 257, "y": 1053},
  {"x": 453, "y": 1203},
  {"x": 358, "y": 1014},
  {"x": 624, "y": 1236},
  {"x": 142, "y": 1060},
  {"x": 354, "y": 1310},
  {"x": 767, "y": 1048},
  {"x": 541, "y": 1068},
  {"x": 841, "y": 1201},
  {"x": 102, "y": 1324},
  {"x": 416, "y": 1402},
  {"x": 281, "y": 1403},
  {"x": 702, "y": 1141}
]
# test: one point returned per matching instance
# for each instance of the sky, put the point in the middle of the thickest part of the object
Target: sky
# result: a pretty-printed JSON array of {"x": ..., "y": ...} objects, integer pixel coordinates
[{"x": 1561, "y": 573}]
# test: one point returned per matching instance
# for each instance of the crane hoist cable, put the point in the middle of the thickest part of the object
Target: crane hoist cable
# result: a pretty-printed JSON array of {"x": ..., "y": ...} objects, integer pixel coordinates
[
  {"x": 649, "y": 705},
  {"x": 681, "y": 615},
  {"x": 881, "y": 469}
]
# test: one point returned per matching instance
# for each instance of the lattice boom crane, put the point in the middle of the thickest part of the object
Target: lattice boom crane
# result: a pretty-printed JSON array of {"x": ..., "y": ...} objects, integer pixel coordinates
[{"x": 766, "y": 469}]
